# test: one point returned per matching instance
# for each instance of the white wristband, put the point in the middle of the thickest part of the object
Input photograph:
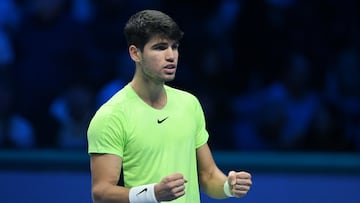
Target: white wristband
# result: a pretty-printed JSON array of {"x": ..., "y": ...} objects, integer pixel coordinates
[
  {"x": 227, "y": 189},
  {"x": 143, "y": 194}
]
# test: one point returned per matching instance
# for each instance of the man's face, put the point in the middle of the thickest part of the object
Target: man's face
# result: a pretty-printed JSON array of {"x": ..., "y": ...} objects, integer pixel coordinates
[{"x": 159, "y": 60}]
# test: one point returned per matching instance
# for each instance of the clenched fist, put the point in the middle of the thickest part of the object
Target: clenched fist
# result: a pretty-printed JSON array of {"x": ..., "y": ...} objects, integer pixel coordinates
[
  {"x": 239, "y": 183},
  {"x": 170, "y": 187}
]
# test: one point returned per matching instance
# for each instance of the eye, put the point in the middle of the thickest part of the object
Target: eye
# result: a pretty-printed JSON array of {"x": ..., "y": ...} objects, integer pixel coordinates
[
  {"x": 175, "y": 46},
  {"x": 160, "y": 46}
]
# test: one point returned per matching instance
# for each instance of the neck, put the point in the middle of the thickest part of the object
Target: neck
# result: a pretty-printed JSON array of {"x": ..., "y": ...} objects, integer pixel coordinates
[{"x": 152, "y": 94}]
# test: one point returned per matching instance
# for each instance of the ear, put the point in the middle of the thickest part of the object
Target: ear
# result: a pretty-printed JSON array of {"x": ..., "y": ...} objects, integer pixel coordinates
[{"x": 134, "y": 53}]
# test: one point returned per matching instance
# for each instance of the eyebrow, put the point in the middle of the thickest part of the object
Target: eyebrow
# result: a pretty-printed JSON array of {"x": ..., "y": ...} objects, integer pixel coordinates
[
  {"x": 165, "y": 44},
  {"x": 160, "y": 44}
]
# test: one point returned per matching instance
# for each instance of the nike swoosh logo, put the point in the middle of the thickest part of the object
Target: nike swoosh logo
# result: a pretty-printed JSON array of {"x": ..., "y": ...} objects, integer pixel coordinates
[
  {"x": 144, "y": 190},
  {"x": 160, "y": 121}
]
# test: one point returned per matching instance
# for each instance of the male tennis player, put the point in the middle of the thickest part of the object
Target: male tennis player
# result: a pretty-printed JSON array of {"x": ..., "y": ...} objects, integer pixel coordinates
[{"x": 155, "y": 134}]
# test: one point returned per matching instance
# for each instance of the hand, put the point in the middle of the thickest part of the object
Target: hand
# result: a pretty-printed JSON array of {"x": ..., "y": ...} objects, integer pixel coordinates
[
  {"x": 239, "y": 183},
  {"x": 170, "y": 187}
]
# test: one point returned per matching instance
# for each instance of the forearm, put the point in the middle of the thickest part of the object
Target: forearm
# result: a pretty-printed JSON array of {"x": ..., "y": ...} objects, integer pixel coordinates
[
  {"x": 110, "y": 194},
  {"x": 213, "y": 183}
]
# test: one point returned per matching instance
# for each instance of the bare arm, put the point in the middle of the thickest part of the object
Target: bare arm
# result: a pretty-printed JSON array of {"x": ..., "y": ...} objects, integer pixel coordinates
[
  {"x": 105, "y": 172},
  {"x": 212, "y": 179}
]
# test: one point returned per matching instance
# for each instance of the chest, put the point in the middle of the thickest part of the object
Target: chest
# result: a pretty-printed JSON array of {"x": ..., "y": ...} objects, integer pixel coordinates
[{"x": 161, "y": 131}]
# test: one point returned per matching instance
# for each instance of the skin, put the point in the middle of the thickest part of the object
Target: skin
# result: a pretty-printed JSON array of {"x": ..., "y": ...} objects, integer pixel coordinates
[{"x": 155, "y": 65}]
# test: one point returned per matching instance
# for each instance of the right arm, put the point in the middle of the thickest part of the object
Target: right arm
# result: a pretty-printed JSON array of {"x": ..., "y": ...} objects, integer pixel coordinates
[{"x": 105, "y": 173}]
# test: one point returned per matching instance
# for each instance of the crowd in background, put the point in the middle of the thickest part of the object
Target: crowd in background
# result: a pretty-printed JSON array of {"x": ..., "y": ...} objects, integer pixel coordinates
[{"x": 270, "y": 74}]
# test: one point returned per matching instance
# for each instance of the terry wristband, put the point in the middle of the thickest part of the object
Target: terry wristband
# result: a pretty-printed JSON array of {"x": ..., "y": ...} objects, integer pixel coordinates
[
  {"x": 227, "y": 189},
  {"x": 143, "y": 194}
]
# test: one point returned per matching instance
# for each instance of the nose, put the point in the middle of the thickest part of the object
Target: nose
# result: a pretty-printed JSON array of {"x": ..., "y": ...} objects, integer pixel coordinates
[{"x": 170, "y": 54}]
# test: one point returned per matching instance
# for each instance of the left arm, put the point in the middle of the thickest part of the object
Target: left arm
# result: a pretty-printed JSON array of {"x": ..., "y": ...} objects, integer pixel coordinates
[{"x": 212, "y": 179}]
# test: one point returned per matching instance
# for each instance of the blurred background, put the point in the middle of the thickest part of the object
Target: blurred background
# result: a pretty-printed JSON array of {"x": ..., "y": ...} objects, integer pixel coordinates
[{"x": 278, "y": 81}]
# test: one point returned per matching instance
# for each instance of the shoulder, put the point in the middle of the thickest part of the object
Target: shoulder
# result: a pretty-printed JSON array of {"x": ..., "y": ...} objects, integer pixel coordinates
[
  {"x": 120, "y": 99},
  {"x": 181, "y": 94},
  {"x": 115, "y": 106}
]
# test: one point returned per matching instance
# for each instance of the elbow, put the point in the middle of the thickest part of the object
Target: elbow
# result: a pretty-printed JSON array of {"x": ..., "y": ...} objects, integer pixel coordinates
[{"x": 98, "y": 194}]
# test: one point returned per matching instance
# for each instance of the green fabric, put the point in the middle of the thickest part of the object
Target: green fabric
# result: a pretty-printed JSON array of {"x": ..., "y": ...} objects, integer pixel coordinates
[{"x": 128, "y": 127}]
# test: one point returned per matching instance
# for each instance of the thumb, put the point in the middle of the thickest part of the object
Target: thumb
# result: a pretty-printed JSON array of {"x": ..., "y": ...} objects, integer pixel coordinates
[{"x": 232, "y": 178}]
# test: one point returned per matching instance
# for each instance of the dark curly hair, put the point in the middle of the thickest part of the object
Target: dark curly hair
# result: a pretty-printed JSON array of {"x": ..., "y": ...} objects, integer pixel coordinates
[{"x": 146, "y": 24}]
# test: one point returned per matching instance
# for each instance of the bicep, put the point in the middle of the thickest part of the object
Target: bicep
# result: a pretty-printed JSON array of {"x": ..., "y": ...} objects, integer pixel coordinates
[
  {"x": 105, "y": 169},
  {"x": 105, "y": 173}
]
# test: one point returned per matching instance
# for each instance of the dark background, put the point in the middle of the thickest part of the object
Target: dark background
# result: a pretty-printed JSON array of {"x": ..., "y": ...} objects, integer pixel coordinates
[
  {"x": 271, "y": 75},
  {"x": 278, "y": 81}
]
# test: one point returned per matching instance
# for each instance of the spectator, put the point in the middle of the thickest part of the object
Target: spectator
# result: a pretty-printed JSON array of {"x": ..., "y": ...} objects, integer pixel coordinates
[
  {"x": 15, "y": 130},
  {"x": 52, "y": 53},
  {"x": 343, "y": 91},
  {"x": 278, "y": 116},
  {"x": 73, "y": 110}
]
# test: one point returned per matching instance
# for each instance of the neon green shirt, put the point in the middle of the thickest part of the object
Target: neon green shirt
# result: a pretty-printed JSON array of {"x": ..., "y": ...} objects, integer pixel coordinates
[{"x": 152, "y": 143}]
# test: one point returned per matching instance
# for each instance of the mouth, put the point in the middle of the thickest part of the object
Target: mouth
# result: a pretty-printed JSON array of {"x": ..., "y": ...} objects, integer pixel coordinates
[
  {"x": 170, "y": 69},
  {"x": 170, "y": 66}
]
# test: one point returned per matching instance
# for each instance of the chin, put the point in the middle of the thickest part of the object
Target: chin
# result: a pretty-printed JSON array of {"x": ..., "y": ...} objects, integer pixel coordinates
[{"x": 169, "y": 78}]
